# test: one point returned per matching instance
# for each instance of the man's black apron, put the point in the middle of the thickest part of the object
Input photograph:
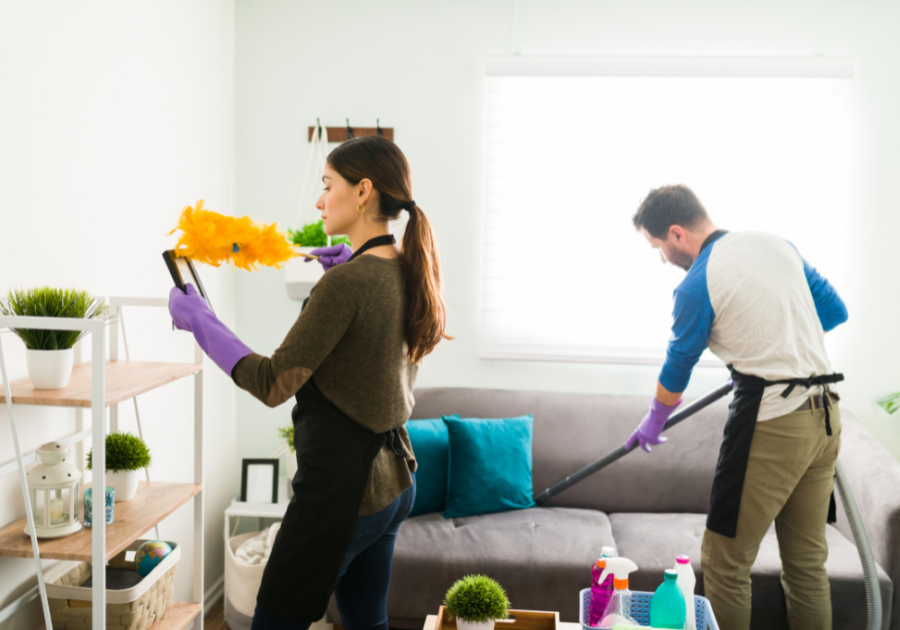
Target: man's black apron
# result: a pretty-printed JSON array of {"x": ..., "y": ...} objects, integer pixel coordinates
[
  {"x": 728, "y": 483},
  {"x": 334, "y": 457}
]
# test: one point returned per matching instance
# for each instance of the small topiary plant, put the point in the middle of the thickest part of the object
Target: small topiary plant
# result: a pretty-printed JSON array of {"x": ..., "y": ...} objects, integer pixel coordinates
[
  {"x": 313, "y": 235},
  {"x": 124, "y": 452},
  {"x": 48, "y": 302},
  {"x": 288, "y": 434},
  {"x": 477, "y": 598}
]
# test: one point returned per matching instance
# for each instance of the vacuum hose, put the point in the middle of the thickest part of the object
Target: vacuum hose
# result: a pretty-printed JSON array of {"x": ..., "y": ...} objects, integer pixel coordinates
[{"x": 874, "y": 611}]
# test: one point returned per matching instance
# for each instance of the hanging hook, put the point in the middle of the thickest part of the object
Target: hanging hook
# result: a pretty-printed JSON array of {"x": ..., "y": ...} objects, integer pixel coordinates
[
  {"x": 378, "y": 127},
  {"x": 349, "y": 130},
  {"x": 319, "y": 125}
]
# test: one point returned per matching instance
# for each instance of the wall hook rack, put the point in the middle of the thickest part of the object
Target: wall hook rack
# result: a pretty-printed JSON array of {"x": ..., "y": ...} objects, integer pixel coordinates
[{"x": 346, "y": 132}]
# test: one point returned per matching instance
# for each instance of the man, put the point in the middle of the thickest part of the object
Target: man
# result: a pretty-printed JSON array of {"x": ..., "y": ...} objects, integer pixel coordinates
[{"x": 752, "y": 299}]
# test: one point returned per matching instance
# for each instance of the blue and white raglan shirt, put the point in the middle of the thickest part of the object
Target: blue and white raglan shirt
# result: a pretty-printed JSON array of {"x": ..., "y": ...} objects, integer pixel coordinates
[{"x": 752, "y": 299}]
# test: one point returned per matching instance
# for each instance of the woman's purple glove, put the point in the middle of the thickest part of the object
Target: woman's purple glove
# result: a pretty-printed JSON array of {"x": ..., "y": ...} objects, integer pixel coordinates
[
  {"x": 332, "y": 256},
  {"x": 650, "y": 428},
  {"x": 191, "y": 312}
]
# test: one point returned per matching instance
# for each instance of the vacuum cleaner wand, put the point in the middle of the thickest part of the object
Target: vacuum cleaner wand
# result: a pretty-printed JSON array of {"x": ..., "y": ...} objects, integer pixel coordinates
[{"x": 620, "y": 452}]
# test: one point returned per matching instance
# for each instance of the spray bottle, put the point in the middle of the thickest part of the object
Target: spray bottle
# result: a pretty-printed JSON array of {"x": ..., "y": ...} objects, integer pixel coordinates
[
  {"x": 601, "y": 590},
  {"x": 618, "y": 611}
]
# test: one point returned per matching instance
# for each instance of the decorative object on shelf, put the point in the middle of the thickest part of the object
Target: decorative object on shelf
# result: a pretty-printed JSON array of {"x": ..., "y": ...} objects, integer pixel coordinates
[
  {"x": 213, "y": 238},
  {"x": 150, "y": 554},
  {"x": 288, "y": 434},
  {"x": 890, "y": 403},
  {"x": 259, "y": 481},
  {"x": 126, "y": 456},
  {"x": 53, "y": 485},
  {"x": 136, "y": 606},
  {"x": 49, "y": 354},
  {"x": 476, "y": 601},
  {"x": 88, "y": 515}
]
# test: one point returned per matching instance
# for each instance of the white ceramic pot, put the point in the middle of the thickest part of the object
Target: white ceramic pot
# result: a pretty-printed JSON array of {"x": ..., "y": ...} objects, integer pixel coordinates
[
  {"x": 49, "y": 369},
  {"x": 301, "y": 276},
  {"x": 462, "y": 624},
  {"x": 125, "y": 483}
]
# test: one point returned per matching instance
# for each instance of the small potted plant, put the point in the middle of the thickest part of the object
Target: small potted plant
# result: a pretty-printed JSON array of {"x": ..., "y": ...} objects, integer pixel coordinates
[
  {"x": 287, "y": 433},
  {"x": 476, "y": 601},
  {"x": 49, "y": 354},
  {"x": 301, "y": 276},
  {"x": 126, "y": 456}
]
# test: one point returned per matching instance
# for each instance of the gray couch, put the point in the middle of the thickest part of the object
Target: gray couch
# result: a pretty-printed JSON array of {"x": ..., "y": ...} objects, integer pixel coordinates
[{"x": 650, "y": 507}]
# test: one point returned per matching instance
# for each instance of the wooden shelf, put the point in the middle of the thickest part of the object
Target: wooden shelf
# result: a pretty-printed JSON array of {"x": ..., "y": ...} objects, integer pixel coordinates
[
  {"x": 178, "y": 616},
  {"x": 124, "y": 380},
  {"x": 153, "y": 502}
]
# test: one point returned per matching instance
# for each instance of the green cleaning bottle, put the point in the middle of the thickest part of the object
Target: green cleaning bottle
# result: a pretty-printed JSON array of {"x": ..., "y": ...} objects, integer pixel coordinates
[{"x": 667, "y": 608}]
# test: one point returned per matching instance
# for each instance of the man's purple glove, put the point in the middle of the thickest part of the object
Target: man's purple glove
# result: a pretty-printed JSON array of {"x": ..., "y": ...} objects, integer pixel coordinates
[
  {"x": 191, "y": 312},
  {"x": 332, "y": 256},
  {"x": 650, "y": 428}
]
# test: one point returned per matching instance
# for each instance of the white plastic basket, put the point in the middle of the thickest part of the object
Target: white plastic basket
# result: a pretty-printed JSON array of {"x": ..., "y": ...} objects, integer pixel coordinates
[{"x": 241, "y": 581}]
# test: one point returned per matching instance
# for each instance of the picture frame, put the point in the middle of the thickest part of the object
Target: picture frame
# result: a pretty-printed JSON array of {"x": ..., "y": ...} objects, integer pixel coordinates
[
  {"x": 183, "y": 272},
  {"x": 259, "y": 481}
]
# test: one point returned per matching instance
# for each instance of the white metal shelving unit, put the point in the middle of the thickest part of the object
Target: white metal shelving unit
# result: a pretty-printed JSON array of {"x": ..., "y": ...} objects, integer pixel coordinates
[{"x": 99, "y": 385}]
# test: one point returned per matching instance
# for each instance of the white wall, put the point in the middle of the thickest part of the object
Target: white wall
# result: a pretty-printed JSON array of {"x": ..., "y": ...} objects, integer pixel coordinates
[
  {"x": 418, "y": 66},
  {"x": 113, "y": 117}
]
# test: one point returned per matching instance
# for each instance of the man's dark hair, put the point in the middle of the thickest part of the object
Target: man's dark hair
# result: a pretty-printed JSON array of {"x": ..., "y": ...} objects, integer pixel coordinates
[{"x": 667, "y": 206}]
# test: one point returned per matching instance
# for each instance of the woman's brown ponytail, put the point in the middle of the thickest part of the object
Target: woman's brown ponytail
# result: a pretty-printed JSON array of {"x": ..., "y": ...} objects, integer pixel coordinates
[{"x": 381, "y": 161}]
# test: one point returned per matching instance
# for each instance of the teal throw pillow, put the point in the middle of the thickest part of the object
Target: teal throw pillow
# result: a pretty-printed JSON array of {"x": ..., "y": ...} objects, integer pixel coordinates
[
  {"x": 490, "y": 465},
  {"x": 431, "y": 446}
]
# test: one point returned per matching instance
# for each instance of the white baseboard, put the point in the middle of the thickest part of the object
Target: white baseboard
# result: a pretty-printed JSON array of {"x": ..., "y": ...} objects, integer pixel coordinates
[{"x": 213, "y": 594}]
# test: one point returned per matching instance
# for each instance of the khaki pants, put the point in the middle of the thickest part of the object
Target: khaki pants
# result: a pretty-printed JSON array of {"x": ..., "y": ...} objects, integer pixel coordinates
[{"x": 790, "y": 477}]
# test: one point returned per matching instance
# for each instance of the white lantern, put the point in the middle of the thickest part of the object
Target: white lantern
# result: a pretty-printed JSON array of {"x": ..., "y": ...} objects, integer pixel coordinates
[{"x": 54, "y": 487}]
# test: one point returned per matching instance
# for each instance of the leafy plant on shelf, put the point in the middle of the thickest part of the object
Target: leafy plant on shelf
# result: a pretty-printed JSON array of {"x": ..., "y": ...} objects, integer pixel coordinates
[
  {"x": 48, "y": 302},
  {"x": 890, "y": 403},
  {"x": 477, "y": 598},
  {"x": 313, "y": 235},
  {"x": 124, "y": 452},
  {"x": 287, "y": 433}
]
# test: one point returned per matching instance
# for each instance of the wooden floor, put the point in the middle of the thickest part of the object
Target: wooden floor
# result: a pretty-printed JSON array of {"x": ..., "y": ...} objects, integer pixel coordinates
[{"x": 215, "y": 620}]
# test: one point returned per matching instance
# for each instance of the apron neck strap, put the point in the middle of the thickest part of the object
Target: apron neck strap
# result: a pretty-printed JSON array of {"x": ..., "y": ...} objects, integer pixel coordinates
[{"x": 378, "y": 241}]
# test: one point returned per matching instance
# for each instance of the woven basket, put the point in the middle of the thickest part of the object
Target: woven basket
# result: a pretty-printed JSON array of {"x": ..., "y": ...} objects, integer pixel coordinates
[{"x": 135, "y": 608}]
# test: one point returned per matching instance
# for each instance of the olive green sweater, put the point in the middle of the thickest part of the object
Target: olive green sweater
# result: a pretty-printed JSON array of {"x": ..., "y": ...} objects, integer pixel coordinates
[{"x": 350, "y": 340}]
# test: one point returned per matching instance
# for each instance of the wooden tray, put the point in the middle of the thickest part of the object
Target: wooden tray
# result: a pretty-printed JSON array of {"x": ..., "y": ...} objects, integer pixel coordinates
[{"x": 519, "y": 620}]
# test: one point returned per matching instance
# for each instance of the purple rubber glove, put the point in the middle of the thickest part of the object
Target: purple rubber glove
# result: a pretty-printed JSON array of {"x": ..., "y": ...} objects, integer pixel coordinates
[
  {"x": 332, "y": 256},
  {"x": 191, "y": 312},
  {"x": 650, "y": 428}
]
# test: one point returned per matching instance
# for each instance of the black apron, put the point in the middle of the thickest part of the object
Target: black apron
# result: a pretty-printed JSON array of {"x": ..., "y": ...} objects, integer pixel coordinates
[
  {"x": 334, "y": 457},
  {"x": 728, "y": 483}
]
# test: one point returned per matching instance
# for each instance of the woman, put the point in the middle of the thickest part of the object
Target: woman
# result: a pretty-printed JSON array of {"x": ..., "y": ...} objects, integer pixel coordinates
[{"x": 350, "y": 361}]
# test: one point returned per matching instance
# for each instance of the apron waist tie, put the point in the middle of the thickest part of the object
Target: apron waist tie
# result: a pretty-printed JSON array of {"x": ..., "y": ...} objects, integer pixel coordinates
[
  {"x": 810, "y": 382},
  {"x": 395, "y": 443}
]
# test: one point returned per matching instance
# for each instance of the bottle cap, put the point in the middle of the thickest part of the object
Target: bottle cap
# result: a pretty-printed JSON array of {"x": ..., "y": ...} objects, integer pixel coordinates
[
  {"x": 683, "y": 560},
  {"x": 608, "y": 552},
  {"x": 671, "y": 574}
]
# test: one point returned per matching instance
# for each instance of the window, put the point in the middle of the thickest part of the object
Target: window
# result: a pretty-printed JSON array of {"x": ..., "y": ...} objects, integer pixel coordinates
[{"x": 574, "y": 145}]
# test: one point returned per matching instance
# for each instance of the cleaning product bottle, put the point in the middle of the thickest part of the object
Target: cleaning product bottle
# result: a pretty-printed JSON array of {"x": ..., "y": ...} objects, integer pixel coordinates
[
  {"x": 601, "y": 591},
  {"x": 618, "y": 611},
  {"x": 667, "y": 609},
  {"x": 687, "y": 582}
]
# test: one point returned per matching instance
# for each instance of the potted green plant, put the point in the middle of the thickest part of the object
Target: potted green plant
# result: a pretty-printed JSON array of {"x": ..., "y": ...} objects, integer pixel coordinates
[
  {"x": 301, "y": 276},
  {"x": 49, "y": 353},
  {"x": 126, "y": 456},
  {"x": 287, "y": 433},
  {"x": 476, "y": 601}
]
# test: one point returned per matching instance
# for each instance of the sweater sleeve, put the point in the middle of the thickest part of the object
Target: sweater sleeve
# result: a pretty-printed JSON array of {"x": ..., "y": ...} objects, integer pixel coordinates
[{"x": 334, "y": 305}]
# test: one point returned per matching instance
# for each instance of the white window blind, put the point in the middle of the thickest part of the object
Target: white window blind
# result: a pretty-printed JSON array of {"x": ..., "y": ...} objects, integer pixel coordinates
[{"x": 570, "y": 158}]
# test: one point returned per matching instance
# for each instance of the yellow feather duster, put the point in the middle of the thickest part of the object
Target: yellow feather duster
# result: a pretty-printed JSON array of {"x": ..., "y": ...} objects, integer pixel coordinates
[{"x": 213, "y": 238}]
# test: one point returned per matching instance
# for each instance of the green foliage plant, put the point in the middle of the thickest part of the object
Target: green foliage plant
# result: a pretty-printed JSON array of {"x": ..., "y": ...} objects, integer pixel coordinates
[
  {"x": 890, "y": 403},
  {"x": 313, "y": 235},
  {"x": 287, "y": 433},
  {"x": 477, "y": 598},
  {"x": 48, "y": 302},
  {"x": 124, "y": 452}
]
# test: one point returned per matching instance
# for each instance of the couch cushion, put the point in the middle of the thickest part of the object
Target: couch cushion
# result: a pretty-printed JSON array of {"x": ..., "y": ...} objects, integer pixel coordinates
[
  {"x": 573, "y": 430},
  {"x": 653, "y": 540},
  {"x": 431, "y": 444},
  {"x": 541, "y": 556}
]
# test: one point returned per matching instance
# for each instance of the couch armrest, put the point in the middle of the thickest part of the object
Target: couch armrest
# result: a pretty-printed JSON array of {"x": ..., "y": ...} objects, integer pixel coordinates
[{"x": 874, "y": 477}]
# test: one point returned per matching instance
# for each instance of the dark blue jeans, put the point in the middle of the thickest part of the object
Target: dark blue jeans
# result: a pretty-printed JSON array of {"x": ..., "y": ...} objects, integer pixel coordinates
[{"x": 362, "y": 584}]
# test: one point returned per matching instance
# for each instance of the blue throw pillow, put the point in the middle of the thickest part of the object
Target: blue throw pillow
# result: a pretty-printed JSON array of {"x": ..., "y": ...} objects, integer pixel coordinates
[
  {"x": 490, "y": 465},
  {"x": 431, "y": 446}
]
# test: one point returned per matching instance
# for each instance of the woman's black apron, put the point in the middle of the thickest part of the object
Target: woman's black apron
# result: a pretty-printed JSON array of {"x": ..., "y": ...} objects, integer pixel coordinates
[
  {"x": 334, "y": 458},
  {"x": 728, "y": 483}
]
